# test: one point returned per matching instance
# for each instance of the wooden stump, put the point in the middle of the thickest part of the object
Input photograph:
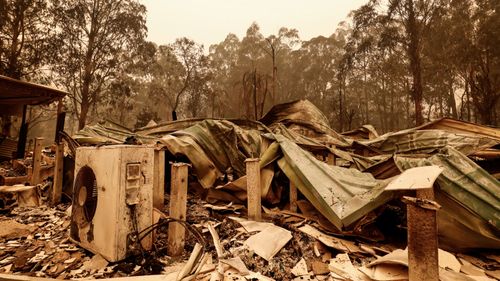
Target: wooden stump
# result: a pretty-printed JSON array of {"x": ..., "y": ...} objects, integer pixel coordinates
[{"x": 178, "y": 207}]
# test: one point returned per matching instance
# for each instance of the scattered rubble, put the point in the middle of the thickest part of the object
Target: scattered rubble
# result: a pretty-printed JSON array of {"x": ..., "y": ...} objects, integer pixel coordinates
[
  {"x": 40, "y": 247},
  {"x": 346, "y": 221}
]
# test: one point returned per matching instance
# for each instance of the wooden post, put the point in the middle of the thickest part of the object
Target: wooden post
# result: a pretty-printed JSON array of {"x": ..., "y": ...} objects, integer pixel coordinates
[
  {"x": 331, "y": 156},
  {"x": 37, "y": 161},
  {"x": 23, "y": 133},
  {"x": 330, "y": 159},
  {"x": 293, "y": 197},
  {"x": 58, "y": 174},
  {"x": 253, "y": 189},
  {"x": 159, "y": 180},
  {"x": 422, "y": 239},
  {"x": 59, "y": 164},
  {"x": 61, "y": 116},
  {"x": 178, "y": 198}
]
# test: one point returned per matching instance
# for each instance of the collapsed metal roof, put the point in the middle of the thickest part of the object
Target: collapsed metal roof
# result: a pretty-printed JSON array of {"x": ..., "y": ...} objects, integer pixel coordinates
[
  {"x": 469, "y": 194},
  {"x": 15, "y": 92},
  {"x": 464, "y": 188},
  {"x": 460, "y": 126}
]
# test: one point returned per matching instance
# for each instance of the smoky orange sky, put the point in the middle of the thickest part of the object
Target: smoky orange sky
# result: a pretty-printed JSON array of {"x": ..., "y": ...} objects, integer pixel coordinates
[{"x": 209, "y": 21}]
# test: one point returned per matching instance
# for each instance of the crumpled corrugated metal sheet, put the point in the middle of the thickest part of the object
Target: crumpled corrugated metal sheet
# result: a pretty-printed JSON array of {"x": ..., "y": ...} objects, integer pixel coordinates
[
  {"x": 173, "y": 126},
  {"x": 303, "y": 117},
  {"x": 225, "y": 143},
  {"x": 470, "y": 197},
  {"x": 203, "y": 166},
  {"x": 238, "y": 187},
  {"x": 462, "y": 127},
  {"x": 109, "y": 132},
  {"x": 427, "y": 141},
  {"x": 214, "y": 146},
  {"x": 362, "y": 163},
  {"x": 342, "y": 195},
  {"x": 299, "y": 110},
  {"x": 308, "y": 143},
  {"x": 365, "y": 132}
]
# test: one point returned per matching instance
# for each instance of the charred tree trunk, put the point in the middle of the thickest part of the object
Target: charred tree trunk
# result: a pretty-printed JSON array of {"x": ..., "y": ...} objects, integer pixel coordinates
[
  {"x": 341, "y": 104},
  {"x": 84, "y": 110},
  {"x": 484, "y": 95},
  {"x": 86, "y": 102},
  {"x": 13, "y": 68},
  {"x": 87, "y": 76},
  {"x": 393, "y": 118},
  {"x": 275, "y": 74},
  {"x": 452, "y": 103},
  {"x": 441, "y": 106},
  {"x": 255, "y": 106},
  {"x": 264, "y": 97},
  {"x": 408, "y": 102},
  {"x": 381, "y": 106},
  {"x": 468, "y": 88},
  {"x": 366, "y": 119},
  {"x": 413, "y": 50}
]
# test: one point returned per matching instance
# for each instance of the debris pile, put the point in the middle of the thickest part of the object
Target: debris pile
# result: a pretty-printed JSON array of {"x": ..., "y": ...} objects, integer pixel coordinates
[
  {"x": 333, "y": 204},
  {"x": 21, "y": 184},
  {"x": 34, "y": 242}
]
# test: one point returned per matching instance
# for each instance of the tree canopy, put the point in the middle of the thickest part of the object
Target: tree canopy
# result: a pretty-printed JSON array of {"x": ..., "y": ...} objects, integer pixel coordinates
[{"x": 393, "y": 63}]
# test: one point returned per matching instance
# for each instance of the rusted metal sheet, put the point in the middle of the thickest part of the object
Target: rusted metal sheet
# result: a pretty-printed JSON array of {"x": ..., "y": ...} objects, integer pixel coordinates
[
  {"x": 217, "y": 149},
  {"x": 365, "y": 132},
  {"x": 458, "y": 126},
  {"x": 384, "y": 169},
  {"x": 14, "y": 91},
  {"x": 342, "y": 195},
  {"x": 470, "y": 197},
  {"x": 173, "y": 126},
  {"x": 7, "y": 148},
  {"x": 412, "y": 141},
  {"x": 304, "y": 118},
  {"x": 465, "y": 181}
]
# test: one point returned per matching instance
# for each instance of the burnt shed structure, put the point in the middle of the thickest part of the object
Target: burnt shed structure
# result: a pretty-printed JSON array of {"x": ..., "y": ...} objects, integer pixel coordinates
[{"x": 15, "y": 97}]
